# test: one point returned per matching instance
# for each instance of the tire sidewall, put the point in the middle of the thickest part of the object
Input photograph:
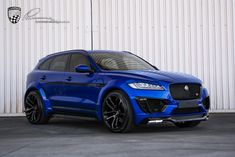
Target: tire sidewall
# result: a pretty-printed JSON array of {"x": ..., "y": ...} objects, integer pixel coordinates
[
  {"x": 128, "y": 124},
  {"x": 43, "y": 117}
]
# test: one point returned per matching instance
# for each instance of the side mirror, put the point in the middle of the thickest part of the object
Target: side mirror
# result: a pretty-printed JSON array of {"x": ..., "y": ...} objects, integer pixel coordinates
[{"x": 83, "y": 69}]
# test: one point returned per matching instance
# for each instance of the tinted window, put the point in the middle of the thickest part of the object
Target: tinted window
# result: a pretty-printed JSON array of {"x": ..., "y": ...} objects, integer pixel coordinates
[
  {"x": 120, "y": 61},
  {"x": 45, "y": 65},
  {"x": 78, "y": 59},
  {"x": 59, "y": 63}
]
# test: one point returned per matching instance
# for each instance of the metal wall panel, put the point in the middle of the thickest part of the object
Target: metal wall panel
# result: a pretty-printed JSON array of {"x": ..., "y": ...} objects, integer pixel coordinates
[
  {"x": 190, "y": 36},
  {"x": 24, "y": 43}
]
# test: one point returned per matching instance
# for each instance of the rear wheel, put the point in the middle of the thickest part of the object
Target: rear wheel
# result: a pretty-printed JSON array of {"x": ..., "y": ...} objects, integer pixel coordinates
[
  {"x": 117, "y": 112},
  {"x": 189, "y": 124},
  {"x": 34, "y": 109}
]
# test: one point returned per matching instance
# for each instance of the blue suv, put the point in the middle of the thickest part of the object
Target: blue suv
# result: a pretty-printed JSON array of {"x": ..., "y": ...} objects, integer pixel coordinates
[{"x": 118, "y": 88}]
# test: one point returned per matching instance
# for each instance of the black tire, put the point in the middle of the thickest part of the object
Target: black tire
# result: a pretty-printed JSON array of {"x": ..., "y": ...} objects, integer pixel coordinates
[
  {"x": 117, "y": 112},
  {"x": 189, "y": 124},
  {"x": 34, "y": 109}
]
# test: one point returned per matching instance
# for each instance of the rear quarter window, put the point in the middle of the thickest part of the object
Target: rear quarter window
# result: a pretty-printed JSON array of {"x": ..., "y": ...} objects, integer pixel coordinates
[
  {"x": 45, "y": 65},
  {"x": 59, "y": 63}
]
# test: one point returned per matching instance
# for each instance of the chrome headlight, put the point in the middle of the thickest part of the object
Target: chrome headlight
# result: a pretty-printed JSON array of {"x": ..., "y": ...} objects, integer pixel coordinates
[{"x": 145, "y": 86}]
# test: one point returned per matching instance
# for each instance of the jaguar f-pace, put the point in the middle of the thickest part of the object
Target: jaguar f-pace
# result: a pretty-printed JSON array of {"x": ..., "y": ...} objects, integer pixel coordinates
[{"x": 118, "y": 88}]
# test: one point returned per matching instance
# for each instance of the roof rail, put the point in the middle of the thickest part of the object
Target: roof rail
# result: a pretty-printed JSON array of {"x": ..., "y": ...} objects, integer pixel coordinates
[
  {"x": 61, "y": 52},
  {"x": 66, "y": 51},
  {"x": 127, "y": 52}
]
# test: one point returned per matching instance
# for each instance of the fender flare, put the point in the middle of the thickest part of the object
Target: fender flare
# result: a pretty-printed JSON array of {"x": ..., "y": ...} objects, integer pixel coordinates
[
  {"x": 46, "y": 103},
  {"x": 107, "y": 89}
]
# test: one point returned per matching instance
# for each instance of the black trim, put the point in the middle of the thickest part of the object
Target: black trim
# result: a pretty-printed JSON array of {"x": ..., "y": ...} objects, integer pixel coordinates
[
  {"x": 187, "y": 110},
  {"x": 86, "y": 84},
  {"x": 67, "y": 69},
  {"x": 149, "y": 105},
  {"x": 72, "y": 108},
  {"x": 72, "y": 111},
  {"x": 206, "y": 103},
  {"x": 79, "y": 84}
]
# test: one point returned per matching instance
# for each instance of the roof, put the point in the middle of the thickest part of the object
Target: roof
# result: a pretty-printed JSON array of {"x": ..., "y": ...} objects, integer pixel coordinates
[
  {"x": 109, "y": 51},
  {"x": 86, "y": 51},
  {"x": 81, "y": 50}
]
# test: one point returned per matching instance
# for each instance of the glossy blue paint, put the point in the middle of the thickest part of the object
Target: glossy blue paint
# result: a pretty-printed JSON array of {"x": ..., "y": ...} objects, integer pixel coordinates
[
  {"x": 82, "y": 69},
  {"x": 83, "y": 92}
]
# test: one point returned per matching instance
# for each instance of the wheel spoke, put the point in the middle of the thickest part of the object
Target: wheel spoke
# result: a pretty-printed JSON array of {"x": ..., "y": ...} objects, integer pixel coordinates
[
  {"x": 35, "y": 116},
  {"x": 117, "y": 100},
  {"x": 32, "y": 117},
  {"x": 120, "y": 102},
  {"x": 29, "y": 102},
  {"x": 29, "y": 114},
  {"x": 111, "y": 101},
  {"x": 116, "y": 124},
  {"x": 34, "y": 99},
  {"x": 29, "y": 109},
  {"x": 110, "y": 117},
  {"x": 112, "y": 108},
  {"x": 109, "y": 112},
  {"x": 113, "y": 121}
]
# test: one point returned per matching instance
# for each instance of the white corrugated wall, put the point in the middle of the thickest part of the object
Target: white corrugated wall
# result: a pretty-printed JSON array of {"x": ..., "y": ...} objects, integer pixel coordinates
[
  {"x": 24, "y": 43},
  {"x": 191, "y": 36}
]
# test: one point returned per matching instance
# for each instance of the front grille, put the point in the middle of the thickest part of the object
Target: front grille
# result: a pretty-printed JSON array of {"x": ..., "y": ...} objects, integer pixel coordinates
[
  {"x": 185, "y": 91},
  {"x": 151, "y": 105},
  {"x": 186, "y": 110}
]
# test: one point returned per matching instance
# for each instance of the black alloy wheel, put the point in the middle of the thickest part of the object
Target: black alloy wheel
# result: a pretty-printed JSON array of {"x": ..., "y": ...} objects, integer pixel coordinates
[
  {"x": 117, "y": 112},
  {"x": 34, "y": 109}
]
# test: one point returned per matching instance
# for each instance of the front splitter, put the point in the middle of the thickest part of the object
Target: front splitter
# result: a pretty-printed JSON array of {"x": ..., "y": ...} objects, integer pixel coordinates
[{"x": 176, "y": 119}]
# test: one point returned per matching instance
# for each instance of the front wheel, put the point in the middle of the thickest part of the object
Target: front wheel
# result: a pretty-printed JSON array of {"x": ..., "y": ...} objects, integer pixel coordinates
[
  {"x": 117, "y": 112},
  {"x": 189, "y": 124},
  {"x": 34, "y": 108}
]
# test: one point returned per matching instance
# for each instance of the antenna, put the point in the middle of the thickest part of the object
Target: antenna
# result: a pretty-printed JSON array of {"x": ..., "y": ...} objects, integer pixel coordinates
[{"x": 91, "y": 26}]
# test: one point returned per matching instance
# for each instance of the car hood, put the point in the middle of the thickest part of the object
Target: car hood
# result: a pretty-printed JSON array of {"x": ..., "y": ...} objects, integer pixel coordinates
[{"x": 157, "y": 75}]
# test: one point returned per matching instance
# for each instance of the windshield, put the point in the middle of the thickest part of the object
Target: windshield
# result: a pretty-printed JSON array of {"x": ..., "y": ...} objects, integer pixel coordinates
[{"x": 120, "y": 61}]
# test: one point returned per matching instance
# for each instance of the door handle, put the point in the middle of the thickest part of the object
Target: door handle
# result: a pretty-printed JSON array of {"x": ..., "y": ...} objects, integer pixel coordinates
[
  {"x": 69, "y": 78},
  {"x": 43, "y": 77}
]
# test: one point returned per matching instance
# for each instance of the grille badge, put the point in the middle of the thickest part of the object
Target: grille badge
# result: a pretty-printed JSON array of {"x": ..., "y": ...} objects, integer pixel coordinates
[{"x": 186, "y": 88}]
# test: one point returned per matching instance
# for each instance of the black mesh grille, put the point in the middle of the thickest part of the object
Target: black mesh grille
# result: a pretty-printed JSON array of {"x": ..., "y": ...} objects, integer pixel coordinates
[
  {"x": 151, "y": 105},
  {"x": 206, "y": 103},
  {"x": 186, "y": 110},
  {"x": 185, "y": 91}
]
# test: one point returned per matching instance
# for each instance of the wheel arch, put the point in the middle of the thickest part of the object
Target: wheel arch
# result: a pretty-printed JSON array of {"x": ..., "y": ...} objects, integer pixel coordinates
[
  {"x": 46, "y": 102},
  {"x": 102, "y": 97},
  {"x": 28, "y": 91}
]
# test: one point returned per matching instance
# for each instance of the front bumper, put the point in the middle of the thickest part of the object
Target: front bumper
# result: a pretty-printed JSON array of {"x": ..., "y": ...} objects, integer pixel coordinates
[{"x": 169, "y": 109}]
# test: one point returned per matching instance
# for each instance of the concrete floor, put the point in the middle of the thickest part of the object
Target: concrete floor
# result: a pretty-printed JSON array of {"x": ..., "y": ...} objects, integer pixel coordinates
[{"x": 80, "y": 137}]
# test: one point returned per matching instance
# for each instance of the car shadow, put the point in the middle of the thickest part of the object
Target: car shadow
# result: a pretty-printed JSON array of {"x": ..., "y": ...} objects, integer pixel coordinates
[{"x": 92, "y": 125}]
